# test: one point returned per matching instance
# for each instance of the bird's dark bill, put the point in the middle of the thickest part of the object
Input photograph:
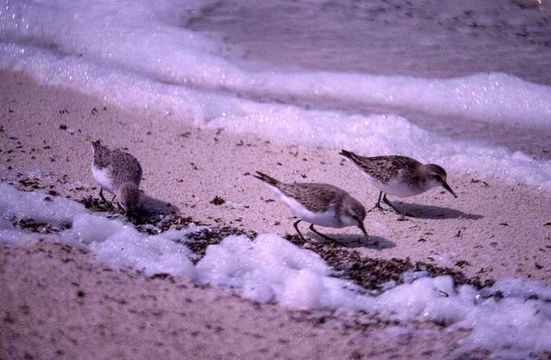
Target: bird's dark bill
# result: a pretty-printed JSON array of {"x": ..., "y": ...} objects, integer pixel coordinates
[
  {"x": 447, "y": 187},
  {"x": 362, "y": 228}
]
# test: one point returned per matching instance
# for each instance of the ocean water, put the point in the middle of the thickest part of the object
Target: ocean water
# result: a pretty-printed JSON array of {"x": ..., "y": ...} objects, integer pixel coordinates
[{"x": 466, "y": 84}]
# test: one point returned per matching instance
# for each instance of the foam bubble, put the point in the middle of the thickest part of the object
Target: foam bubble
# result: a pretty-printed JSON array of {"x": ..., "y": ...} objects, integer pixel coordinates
[
  {"x": 37, "y": 206},
  {"x": 270, "y": 269},
  {"x": 92, "y": 227},
  {"x": 151, "y": 254},
  {"x": 5, "y": 224},
  {"x": 17, "y": 237}
]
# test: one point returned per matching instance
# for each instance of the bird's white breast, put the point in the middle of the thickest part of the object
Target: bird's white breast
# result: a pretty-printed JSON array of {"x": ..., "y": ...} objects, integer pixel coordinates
[
  {"x": 399, "y": 188},
  {"x": 103, "y": 177},
  {"x": 326, "y": 218}
]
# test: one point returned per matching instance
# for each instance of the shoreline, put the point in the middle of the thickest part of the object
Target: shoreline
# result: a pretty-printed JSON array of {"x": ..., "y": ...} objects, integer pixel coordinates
[
  {"x": 492, "y": 231},
  {"x": 48, "y": 133}
]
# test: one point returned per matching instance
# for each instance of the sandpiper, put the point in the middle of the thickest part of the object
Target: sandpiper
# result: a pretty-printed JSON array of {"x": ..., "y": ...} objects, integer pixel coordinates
[
  {"x": 117, "y": 172},
  {"x": 319, "y": 204},
  {"x": 401, "y": 176}
]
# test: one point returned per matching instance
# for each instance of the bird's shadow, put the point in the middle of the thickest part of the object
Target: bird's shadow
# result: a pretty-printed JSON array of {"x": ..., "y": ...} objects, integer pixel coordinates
[
  {"x": 420, "y": 211},
  {"x": 149, "y": 206},
  {"x": 355, "y": 241}
]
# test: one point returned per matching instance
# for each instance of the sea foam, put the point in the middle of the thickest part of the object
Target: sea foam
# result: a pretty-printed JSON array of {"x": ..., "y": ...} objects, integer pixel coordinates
[
  {"x": 269, "y": 269},
  {"x": 151, "y": 41}
]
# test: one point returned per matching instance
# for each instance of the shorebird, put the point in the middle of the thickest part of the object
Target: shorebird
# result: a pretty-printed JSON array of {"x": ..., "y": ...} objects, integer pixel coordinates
[
  {"x": 319, "y": 204},
  {"x": 117, "y": 172},
  {"x": 401, "y": 176}
]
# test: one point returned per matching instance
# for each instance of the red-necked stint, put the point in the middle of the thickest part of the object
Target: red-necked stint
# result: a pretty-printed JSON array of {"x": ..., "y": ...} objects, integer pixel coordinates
[
  {"x": 318, "y": 204},
  {"x": 117, "y": 172},
  {"x": 401, "y": 176}
]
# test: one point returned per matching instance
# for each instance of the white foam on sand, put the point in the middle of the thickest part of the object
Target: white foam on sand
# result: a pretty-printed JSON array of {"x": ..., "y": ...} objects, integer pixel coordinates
[
  {"x": 37, "y": 206},
  {"x": 268, "y": 269},
  {"x": 138, "y": 54}
]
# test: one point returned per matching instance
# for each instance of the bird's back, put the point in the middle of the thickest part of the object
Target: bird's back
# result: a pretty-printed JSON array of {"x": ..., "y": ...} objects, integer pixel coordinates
[
  {"x": 382, "y": 168},
  {"x": 315, "y": 197},
  {"x": 125, "y": 168}
]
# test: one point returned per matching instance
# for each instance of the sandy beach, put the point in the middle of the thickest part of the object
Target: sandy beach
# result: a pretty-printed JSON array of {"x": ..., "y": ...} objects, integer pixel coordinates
[{"x": 492, "y": 231}]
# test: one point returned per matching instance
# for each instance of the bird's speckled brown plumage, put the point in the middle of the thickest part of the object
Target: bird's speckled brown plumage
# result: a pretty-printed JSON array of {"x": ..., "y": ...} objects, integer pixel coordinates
[
  {"x": 317, "y": 197},
  {"x": 399, "y": 175},
  {"x": 385, "y": 168},
  {"x": 117, "y": 172},
  {"x": 123, "y": 167},
  {"x": 319, "y": 204}
]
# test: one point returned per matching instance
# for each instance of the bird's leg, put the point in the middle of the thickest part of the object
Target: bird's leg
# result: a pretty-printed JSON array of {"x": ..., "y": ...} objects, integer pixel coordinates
[
  {"x": 378, "y": 204},
  {"x": 320, "y": 234},
  {"x": 121, "y": 209},
  {"x": 385, "y": 200},
  {"x": 101, "y": 195},
  {"x": 298, "y": 231}
]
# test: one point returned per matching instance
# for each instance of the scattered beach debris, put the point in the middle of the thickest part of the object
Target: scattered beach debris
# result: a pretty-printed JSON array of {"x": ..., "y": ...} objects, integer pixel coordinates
[{"x": 217, "y": 201}]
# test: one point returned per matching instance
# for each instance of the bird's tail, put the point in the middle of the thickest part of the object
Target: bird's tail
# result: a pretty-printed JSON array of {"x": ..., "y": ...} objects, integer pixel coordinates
[
  {"x": 349, "y": 155},
  {"x": 266, "y": 178},
  {"x": 96, "y": 145}
]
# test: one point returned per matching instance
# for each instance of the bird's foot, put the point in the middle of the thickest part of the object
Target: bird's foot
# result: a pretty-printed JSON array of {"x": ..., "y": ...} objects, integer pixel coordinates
[{"x": 379, "y": 208}]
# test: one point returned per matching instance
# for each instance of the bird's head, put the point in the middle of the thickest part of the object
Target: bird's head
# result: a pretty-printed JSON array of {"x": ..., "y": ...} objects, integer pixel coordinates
[
  {"x": 129, "y": 195},
  {"x": 437, "y": 176}
]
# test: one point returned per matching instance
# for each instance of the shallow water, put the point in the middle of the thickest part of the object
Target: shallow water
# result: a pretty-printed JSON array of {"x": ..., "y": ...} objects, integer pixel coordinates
[{"x": 427, "y": 39}]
